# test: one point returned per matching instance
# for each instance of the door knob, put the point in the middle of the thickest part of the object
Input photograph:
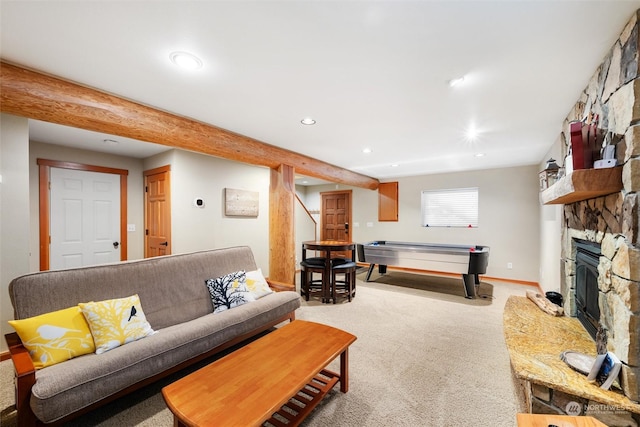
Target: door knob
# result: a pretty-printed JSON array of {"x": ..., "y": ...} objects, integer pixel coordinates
[
  {"x": 116, "y": 244},
  {"x": 164, "y": 244}
]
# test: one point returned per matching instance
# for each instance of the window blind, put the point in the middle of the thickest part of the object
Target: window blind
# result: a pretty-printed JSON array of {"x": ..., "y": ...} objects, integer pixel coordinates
[{"x": 456, "y": 207}]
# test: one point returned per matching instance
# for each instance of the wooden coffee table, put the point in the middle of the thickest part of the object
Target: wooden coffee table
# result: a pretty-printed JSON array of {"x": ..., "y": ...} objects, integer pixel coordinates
[
  {"x": 280, "y": 377},
  {"x": 545, "y": 420}
]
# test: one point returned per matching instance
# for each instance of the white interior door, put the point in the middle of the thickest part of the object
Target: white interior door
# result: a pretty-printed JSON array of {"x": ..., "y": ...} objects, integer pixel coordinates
[{"x": 85, "y": 218}]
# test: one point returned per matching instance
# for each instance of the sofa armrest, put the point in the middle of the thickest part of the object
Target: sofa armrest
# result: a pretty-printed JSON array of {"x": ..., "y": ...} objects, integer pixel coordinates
[
  {"x": 280, "y": 286},
  {"x": 25, "y": 372}
]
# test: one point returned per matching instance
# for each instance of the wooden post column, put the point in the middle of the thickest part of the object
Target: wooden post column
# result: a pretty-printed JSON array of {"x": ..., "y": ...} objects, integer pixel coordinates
[{"x": 282, "y": 225}]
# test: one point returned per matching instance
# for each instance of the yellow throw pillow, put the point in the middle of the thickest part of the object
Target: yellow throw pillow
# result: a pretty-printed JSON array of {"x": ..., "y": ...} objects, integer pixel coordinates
[
  {"x": 55, "y": 337},
  {"x": 116, "y": 322}
]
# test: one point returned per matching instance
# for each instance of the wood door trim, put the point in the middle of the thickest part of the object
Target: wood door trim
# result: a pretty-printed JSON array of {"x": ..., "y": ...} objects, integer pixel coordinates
[
  {"x": 44, "y": 169},
  {"x": 157, "y": 170},
  {"x": 81, "y": 167},
  {"x": 349, "y": 194},
  {"x": 43, "y": 197}
]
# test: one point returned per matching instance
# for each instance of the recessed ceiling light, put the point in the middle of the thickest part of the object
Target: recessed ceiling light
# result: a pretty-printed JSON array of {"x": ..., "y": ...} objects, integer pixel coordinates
[
  {"x": 480, "y": 155},
  {"x": 367, "y": 150},
  {"x": 186, "y": 60},
  {"x": 472, "y": 133},
  {"x": 457, "y": 81},
  {"x": 395, "y": 165},
  {"x": 308, "y": 121}
]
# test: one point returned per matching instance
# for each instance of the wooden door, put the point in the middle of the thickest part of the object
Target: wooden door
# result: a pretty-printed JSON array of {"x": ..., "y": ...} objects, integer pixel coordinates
[
  {"x": 157, "y": 218},
  {"x": 85, "y": 218},
  {"x": 335, "y": 216}
]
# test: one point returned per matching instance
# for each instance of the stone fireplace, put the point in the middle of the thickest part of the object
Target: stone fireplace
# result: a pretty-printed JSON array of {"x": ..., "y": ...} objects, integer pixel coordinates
[
  {"x": 610, "y": 223},
  {"x": 617, "y": 278},
  {"x": 600, "y": 258}
]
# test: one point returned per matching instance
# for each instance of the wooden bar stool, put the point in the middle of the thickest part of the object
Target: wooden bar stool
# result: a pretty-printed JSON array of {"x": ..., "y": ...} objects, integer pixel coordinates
[
  {"x": 308, "y": 284},
  {"x": 347, "y": 286}
]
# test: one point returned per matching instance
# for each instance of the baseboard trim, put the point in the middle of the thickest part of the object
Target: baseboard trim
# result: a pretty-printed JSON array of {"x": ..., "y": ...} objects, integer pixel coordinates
[
  {"x": 5, "y": 355},
  {"x": 517, "y": 282}
]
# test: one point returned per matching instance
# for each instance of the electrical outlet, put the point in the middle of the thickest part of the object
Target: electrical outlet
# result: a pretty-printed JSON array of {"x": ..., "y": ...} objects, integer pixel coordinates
[{"x": 509, "y": 265}]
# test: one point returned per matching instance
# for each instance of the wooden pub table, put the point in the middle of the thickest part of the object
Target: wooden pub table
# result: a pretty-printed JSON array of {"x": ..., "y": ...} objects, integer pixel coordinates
[
  {"x": 278, "y": 378},
  {"x": 328, "y": 246}
]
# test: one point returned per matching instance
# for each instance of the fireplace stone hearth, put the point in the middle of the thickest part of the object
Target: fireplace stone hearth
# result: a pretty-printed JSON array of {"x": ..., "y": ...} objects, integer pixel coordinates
[{"x": 547, "y": 385}]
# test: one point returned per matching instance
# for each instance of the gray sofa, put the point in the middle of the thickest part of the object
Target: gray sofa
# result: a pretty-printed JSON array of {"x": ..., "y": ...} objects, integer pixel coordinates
[{"x": 176, "y": 303}]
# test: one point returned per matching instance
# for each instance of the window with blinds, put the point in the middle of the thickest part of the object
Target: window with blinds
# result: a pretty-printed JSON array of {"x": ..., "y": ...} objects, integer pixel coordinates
[{"x": 456, "y": 207}]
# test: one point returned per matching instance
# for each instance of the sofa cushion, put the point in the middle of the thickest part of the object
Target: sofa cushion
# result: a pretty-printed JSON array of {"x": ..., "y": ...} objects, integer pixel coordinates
[
  {"x": 116, "y": 322},
  {"x": 55, "y": 337},
  {"x": 68, "y": 387}
]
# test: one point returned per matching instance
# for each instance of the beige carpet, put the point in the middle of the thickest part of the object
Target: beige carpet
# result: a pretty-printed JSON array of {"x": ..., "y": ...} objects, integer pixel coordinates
[{"x": 425, "y": 356}]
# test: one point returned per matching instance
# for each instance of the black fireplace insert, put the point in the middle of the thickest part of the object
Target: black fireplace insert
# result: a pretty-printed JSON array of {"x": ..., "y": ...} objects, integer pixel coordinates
[{"x": 587, "y": 308}]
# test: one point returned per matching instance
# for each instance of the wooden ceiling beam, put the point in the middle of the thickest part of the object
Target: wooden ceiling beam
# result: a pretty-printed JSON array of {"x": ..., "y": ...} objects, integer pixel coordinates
[{"x": 34, "y": 95}]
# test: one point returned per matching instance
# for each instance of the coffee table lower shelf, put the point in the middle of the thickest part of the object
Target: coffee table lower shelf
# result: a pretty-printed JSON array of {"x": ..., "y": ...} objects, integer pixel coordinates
[{"x": 299, "y": 406}]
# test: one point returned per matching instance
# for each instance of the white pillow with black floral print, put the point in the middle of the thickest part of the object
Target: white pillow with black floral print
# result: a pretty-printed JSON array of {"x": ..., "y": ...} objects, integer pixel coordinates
[{"x": 228, "y": 291}]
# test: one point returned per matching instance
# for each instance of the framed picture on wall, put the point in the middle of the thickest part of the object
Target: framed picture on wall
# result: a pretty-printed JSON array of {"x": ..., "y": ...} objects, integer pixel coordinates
[{"x": 240, "y": 202}]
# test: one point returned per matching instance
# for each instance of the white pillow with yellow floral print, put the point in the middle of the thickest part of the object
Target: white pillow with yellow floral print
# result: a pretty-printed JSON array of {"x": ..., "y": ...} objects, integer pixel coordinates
[
  {"x": 257, "y": 284},
  {"x": 116, "y": 322},
  {"x": 55, "y": 337}
]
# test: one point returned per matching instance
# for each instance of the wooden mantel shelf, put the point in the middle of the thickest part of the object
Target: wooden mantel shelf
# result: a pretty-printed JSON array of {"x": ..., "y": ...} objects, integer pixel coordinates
[{"x": 583, "y": 184}]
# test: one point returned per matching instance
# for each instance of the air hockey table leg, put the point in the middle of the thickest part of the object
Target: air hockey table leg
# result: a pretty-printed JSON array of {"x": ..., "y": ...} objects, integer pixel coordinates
[
  {"x": 382, "y": 269},
  {"x": 371, "y": 267},
  {"x": 469, "y": 281}
]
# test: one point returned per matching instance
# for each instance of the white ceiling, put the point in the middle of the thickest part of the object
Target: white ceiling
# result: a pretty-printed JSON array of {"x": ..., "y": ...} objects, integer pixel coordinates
[{"x": 373, "y": 74}]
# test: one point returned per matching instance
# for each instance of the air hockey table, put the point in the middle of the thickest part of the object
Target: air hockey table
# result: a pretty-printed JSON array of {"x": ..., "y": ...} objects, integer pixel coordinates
[{"x": 468, "y": 260}]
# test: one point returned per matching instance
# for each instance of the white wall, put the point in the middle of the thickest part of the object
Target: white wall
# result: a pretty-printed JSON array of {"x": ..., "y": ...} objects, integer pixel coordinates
[
  {"x": 14, "y": 204},
  {"x": 508, "y": 216},
  {"x": 198, "y": 175}
]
